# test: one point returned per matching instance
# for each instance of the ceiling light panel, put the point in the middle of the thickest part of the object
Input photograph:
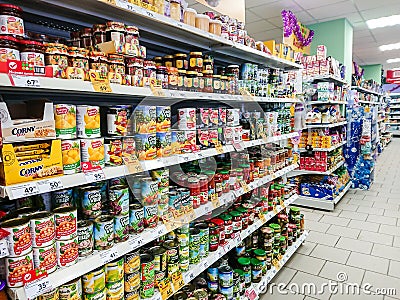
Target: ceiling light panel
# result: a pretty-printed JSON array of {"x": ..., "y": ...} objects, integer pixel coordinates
[
  {"x": 393, "y": 60},
  {"x": 389, "y": 47},
  {"x": 384, "y": 22}
]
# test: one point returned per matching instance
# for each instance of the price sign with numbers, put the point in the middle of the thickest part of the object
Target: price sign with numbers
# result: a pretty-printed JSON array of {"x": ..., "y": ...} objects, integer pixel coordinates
[
  {"x": 50, "y": 185},
  {"x": 177, "y": 279},
  {"x": 36, "y": 283},
  {"x": 92, "y": 173},
  {"x": 275, "y": 263},
  {"x": 280, "y": 257},
  {"x": 215, "y": 202},
  {"x": 275, "y": 210},
  {"x": 165, "y": 288},
  {"x": 282, "y": 203},
  {"x": 133, "y": 164},
  {"x": 102, "y": 87},
  {"x": 262, "y": 217},
  {"x": 245, "y": 186},
  {"x": 157, "y": 91},
  {"x": 24, "y": 190},
  {"x": 239, "y": 146},
  {"x": 25, "y": 81},
  {"x": 3, "y": 248},
  {"x": 108, "y": 255},
  {"x": 136, "y": 242},
  {"x": 219, "y": 148}
]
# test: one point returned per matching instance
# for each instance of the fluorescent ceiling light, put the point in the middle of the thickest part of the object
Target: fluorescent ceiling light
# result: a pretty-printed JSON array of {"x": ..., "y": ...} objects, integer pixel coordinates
[
  {"x": 384, "y": 22},
  {"x": 393, "y": 60},
  {"x": 389, "y": 47}
]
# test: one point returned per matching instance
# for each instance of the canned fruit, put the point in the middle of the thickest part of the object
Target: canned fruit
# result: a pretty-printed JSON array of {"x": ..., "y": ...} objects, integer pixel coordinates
[
  {"x": 71, "y": 155},
  {"x": 88, "y": 121},
  {"x": 67, "y": 252},
  {"x": 85, "y": 237},
  {"x": 145, "y": 119},
  {"x": 121, "y": 228},
  {"x": 17, "y": 267},
  {"x": 149, "y": 190},
  {"x": 65, "y": 121},
  {"x": 43, "y": 229},
  {"x": 19, "y": 239},
  {"x": 163, "y": 116},
  {"x": 91, "y": 201},
  {"x": 146, "y": 146},
  {"x": 187, "y": 118},
  {"x": 66, "y": 224},
  {"x": 103, "y": 232},
  {"x": 136, "y": 218},
  {"x": 92, "y": 150},
  {"x": 97, "y": 296},
  {"x": 115, "y": 271},
  {"x": 131, "y": 262},
  {"x": 118, "y": 119},
  {"x": 45, "y": 258},
  {"x": 119, "y": 200},
  {"x": 115, "y": 290},
  {"x": 163, "y": 144},
  {"x": 113, "y": 151},
  {"x": 63, "y": 198},
  {"x": 134, "y": 295},
  {"x": 94, "y": 282}
]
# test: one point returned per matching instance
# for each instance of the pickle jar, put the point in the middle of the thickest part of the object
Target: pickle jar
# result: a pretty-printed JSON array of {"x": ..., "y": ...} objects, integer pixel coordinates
[
  {"x": 196, "y": 61},
  {"x": 99, "y": 34},
  {"x": 180, "y": 61}
]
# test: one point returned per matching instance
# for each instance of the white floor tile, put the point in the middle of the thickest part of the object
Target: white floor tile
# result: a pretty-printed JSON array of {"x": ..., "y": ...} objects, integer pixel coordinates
[
  {"x": 386, "y": 252},
  {"x": 335, "y": 220},
  {"x": 388, "y": 229},
  {"x": 284, "y": 276},
  {"x": 306, "y": 263},
  {"x": 345, "y": 206},
  {"x": 301, "y": 279},
  {"x": 394, "y": 269},
  {"x": 323, "y": 238},
  {"x": 370, "y": 210},
  {"x": 396, "y": 241},
  {"x": 307, "y": 247},
  {"x": 378, "y": 238},
  {"x": 379, "y": 281},
  {"x": 368, "y": 262},
  {"x": 382, "y": 220},
  {"x": 364, "y": 225},
  {"x": 344, "y": 231},
  {"x": 353, "y": 215},
  {"x": 331, "y": 254},
  {"x": 354, "y": 245},
  {"x": 316, "y": 226},
  {"x": 332, "y": 271}
]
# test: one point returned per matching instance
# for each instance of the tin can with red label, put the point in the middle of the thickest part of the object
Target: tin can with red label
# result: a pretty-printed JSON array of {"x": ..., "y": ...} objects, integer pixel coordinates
[
  {"x": 187, "y": 118},
  {"x": 19, "y": 239},
  {"x": 66, "y": 224},
  {"x": 16, "y": 267},
  {"x": 203, "y": 138},
  {"x": 45, "y": 258},
  {"x": 213, "y": 115},
  {"x": 67, "y": 252},
  {"x": 43, "y": 229},
  {"x": 202, "y": 118}
]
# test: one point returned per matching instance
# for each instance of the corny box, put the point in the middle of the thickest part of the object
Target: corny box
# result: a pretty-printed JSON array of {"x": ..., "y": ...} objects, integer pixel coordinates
[{"x": 25, "y": 163}]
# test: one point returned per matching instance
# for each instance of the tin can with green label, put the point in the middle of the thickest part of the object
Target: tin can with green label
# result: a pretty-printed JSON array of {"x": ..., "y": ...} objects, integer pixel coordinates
[
  {"x": 115, "y": 270},
  {"x": 115, "y": 290},
  {"x": 94, "y": 281},
  {"x": 121, "y": 228},
  {"x": 147, "y": 275},
  {"x": 103, "y": 232},
  {"x": 97, "y": 296},
  {"x": 136, "y": 218},
  {"x": 71, "y": 290}
]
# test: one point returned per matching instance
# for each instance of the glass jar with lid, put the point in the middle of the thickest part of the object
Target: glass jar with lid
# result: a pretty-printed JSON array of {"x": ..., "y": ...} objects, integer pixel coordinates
[
  {"x": 224, "y": 83},
  {"x": 115, "y": 31},
  {"x": 134, "y": 68},
  {"x": 9, "y": 48},
  {"x": 180, "y": 61},
  {"x": 192, "y": 81},
  {"x": 201, "y": 82},
  {"x": 208, "y": 81},
  {"x": 149, "y": 73},
  {"x": 86, "y": 37},
  {"x": 208, "y": 64},
  {"x": 116, "y": 63},
  {"x": 196, "y": 61},
  {"x": 182, "y": 82},
  {"x": 158, "y": 60},
  {"x": 132, "y": 41},
  {"x": 189, "y": 17},
  {"x": 175, "y": 10},
  {"x": 162, "y": 77},
  {"x": 172, "y": 78},
  {"x": 98, "y": 62},
  {"x": 99, "y": 34},
  {"x": 168, "y": 61},
  {"x": 32, "y": 52},
  {"x": 56, "y": 55},
  {"x": 11, "y": 20},
  {"x": 202, "y": 22},
  {"x": 215, "y": 27},
  {"x": 78, "y": 58},
  {"x": 217, "y": 84}
]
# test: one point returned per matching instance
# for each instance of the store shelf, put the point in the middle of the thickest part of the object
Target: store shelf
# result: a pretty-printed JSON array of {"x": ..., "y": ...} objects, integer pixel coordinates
[
  {"x": 331, "y": 78},
  {"x": 395, "y": 107},
  {"x": 261, "y": 287},
  {"x": 326, "y": 102},
  {"x": 322, "y": 203},
  {"x": 330, "y": 125},
  {"x": 307, "y": 172},
  {"x": 325, "y": 149},
  {"x": 67, "y": 181},
  {"x": 97, "y": 259},
  {"x": 363, "y": 90},
  {"x": 368, "y": 102},
  {"x": 71, "y": 86}
]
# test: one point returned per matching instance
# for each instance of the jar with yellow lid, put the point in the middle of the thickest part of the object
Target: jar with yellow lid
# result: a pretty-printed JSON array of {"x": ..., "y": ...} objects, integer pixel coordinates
[
  {"x": 182, "y": 82},
  {"x": 208, "y": 81},
  {"x": 224, "y": 82},
  {"x": 160, "y": 6},
  {"x": 180, "y": 61},
  {"x": 196, "y": 61},
  {"x": 192, "y": 81},
  {"x": 201, "y": 82},
  {"x": 172, "y": 78},
  {"x": 158, "y": 60},
  {"x": 168, "y": 61}
]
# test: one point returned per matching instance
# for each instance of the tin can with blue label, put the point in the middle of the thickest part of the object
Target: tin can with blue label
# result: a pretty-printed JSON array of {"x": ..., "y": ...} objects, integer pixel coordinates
[
  {"x": 149, "y": 191},
  {"x": 62, "y": 198},
  {"x": 136, "y": 218},
  {"x": 121, "y": 228},
  {"x": 118, "y": 196},
  {"x": 91, "y": 202},
  {"x": 103, "y": 232},
  {"x": 151, "y": 215},
  {"x": 212, "y": 272},
  {"x": 204, "y": 239}
]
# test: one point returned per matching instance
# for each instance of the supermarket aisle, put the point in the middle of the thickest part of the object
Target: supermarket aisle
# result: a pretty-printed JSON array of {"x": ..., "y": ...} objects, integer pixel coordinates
[{"x": 360, "y": 238}]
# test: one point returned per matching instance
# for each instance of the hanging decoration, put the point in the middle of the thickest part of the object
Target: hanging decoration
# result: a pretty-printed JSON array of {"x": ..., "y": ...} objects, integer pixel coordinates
[{"x": 291, "y": 25}]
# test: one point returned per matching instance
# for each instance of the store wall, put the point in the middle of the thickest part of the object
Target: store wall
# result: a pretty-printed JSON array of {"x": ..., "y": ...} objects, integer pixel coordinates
[
  {"x": 373, "y": 72},
  {"x": 337, "y": 36}
]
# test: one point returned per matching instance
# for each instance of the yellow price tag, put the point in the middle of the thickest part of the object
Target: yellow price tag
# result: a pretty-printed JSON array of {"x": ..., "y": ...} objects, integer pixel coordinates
[
  {"x": 245, "y": 187},
  {"x": 262, "y": 217},
  {"x": 169, "y": 221},
  {"x": 191, "y": 214},
  {"x": 280, "y": 257},
  {"x": 165, "y": 288},
  {"x": 275, "y": 210},
  {"x": 215, "y": 201},
  {"x": 275, "y": 263},
  {"x": 246, "y": 95},
  {"x": 177, "y": 279},
  {"x": 132, "y": 164},
  {"x": 157, "y": 91},
  {"x": 282, "y": 203},
  {"x": 219, "y": 148},
  {"x": 100, "y": 84}
]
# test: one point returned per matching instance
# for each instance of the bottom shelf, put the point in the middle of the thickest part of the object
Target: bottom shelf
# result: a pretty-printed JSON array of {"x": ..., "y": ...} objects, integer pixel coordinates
[
  {"x": 321, "y": 203},
  {"x": 256, "y": 289}
]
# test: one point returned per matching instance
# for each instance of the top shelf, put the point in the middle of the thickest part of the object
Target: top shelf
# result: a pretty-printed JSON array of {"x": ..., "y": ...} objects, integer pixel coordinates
[
  {"x": 329, "y": 78},
  {"x": 363, "y": 90},
  {"x": 160, "y": 30}
]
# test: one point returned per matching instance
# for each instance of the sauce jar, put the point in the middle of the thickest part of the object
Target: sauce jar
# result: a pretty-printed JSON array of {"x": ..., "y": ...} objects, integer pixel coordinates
[
  {"x": 86, "y": 37},
  {"x": 99, "y": 34},
  {"x": 196, "y": 61},
  {"x": 194, "y": 187},
  {"x": 182, "y": 82},
  {"x": 158, "y": 60},
  {"x": 245, "y": 216},
  {"x": 201, "y": 82},
  {"x": 215, "y": 27},
  {"x": 218, "y": 184},
  {"x": 75, "y": 40},
  {"x": 189, "y": 17},
  {"x": 175, "y": 10},
  {"x": 225, "y": 181},
  {"x": 11, "y": 20},
  {"x": 115, "y": 31},
  {"x": 236, "y": 221},
  {"x": 149, "y": 72},
  {"x": 132, "y": 41},
  {"x": 208, "y": 64},
  {"x": 221, "y": 226},
  {"x": 214, "y": 237},
  {"x": 134, "y": 67},
  {"x": 217, "y": 84},
  {"x": 224, "y": 83},
  {"x": 202, "y": 22},
  {"x": 208, "y": 81},
  {"x": 98, "y": 62},
  {"x": 162, "y": 77},
  {"x": 9, "y": 48},
  {"x": 172, "y": 78},
  {"x": 116, "y": 63},
  {"x": 168, "y": 61},
  {"x": 256, "y": 270},
  {"x": 244, "y": 264},
  {"x": 180, "y": 61},
  {"x": 203, "y": 188},
  {"x": 192, "y": 81},
  {"x": 228, "y": 225},
  {"x": 32, "y": 52}
]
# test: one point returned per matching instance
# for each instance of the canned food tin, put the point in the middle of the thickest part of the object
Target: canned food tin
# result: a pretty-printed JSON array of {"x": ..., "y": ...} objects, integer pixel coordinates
[
  {"x": 85, "y": 237},
  {"x": 91, "y": 201},
  {"x": 103, "y": 232},
  {"x": 71, "y": 290},
  {"x": 67, "y": 252},
  {"x": 145, "y": 119},
  {"x": 115, "y": 270},
  {"x": 128, "y": 146},
  {"x": 187, "y": 118},
  {"x": 66, "y": 226},
  {"x": 118, "y": 120},
  {"x": 132, "y": 282},
  {"x": 226, "y": 291},
  {"x": 121, "y": 228},
  {"x": 71, "y": 155},
  {"x": 146, "y": 268},
  {"x": 212, "y": 272},
  {"x": 16, "y": 267},
  {"x": 225, "y": 275},
  {"x": 19, "y": 239},
  {"x": 113, "y": 151},
  {"x": 163, "y": 144},
  {"x": 172, "y": 251},
  {"x": 115, "y": 290},
  {"x": 97, "y": 296},
  {"x": 119, "y": 200},
  {"x": 43, "y": 229},
  {"x": 200, "y": 294},
  {"x": 146, "y": 148},
  {"x": 160, "y": 258},
  {"x": 65, "y": 121},
  {"x": 62, "y": 198},
  {"x": 163, "y": 117},
  {"x": 147, "y": 289},
  {"x": 94, "y": 281},
  {"x": 136, "y": 218},
  {"x": 52, "y": 295},
  {"x": 132, "y": 262},
  {"x": 150, "y": 215},
  {"x": 134, "y": 295},
  {"x": 92, "y": 150},
  {"x": 88, "y": 121},
  {"x": 45, "y": 258}
]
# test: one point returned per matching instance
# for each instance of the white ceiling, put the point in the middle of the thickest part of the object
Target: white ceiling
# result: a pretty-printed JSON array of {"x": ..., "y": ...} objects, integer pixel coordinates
[{"x": 264, "y": 22}]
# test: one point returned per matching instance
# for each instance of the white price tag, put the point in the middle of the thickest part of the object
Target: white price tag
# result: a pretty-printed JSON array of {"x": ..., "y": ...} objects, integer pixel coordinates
[
  {"x": 96, "y": 175},
  {"x": 135, "y": 242},
  {"x": 108, "y": 255},
  {"x": 36, "y": 288},
  {"x": 4, "y": 248},
  {"x": 239, "y": 146},
  {"x": 25, "y": 81},
  {"x": 50, "y": 185},
  {"x": 24, "y": 190}
]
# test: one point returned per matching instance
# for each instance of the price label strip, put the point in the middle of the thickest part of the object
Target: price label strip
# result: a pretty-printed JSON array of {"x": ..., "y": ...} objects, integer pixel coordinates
[
  {"x": 177, "y": 279},
  {"x": 100, "y": 85},
  {"x": 275, "y": 263},
  {"x": 50, "y": 185},
  {"x": 36, "y": 283},
  {"x": 133, "y": 164},
  {"x": 219, "y": 148},
  {"x": 165, "y": 288},
  {"x": 245, "y": 186},
  {"x": 262, "y": 217},
  {"x": 239, "y": 146},
  {"x": 24, "y": 81},
  {"x": 157, "y": 91},
  {"x": 24, "y": 190},
  {"x": 282, "y": 203},
  {"x": 4, "y": 248},
  {"x": 136, "y": 242},
  {"x": 92, "y": 174},
  {"x": 215, "y": 201},
  {"x": 108, "y": 255}
]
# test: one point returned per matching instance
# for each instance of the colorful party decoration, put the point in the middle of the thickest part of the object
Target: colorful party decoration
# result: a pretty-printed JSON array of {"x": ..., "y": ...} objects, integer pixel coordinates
[{"x": 291, "y": 25}]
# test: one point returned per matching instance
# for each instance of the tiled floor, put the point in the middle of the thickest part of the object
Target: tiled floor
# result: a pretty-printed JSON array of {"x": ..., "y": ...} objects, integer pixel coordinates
[{"x": 361, "y": 238}]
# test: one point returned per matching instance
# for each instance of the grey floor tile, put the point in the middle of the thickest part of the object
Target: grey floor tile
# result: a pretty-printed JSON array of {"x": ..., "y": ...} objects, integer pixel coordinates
[
  {"x": 354, "y": 245},
  {"x": 391, "y": 213},
  {"x": 277, "y": 296},
  {"x": 353, "y": 215},
  {"x": 360, "y": 202},
  {"x": 301, "y": 279},
  {"x": 284, "y": 276},
  {"x": 323, "y": 238},
  {"x": 388, "y": 229},
  {"x": 396, "y": 241},
  {"x": 316, "y": 226},
  {"x": 364, "y": 225},
  {"x": 345, "y": 206},
  {"x": 374, "y": 237},
  {"x": 382, "y": 220},
  {"x": 370, "y": 210},
  {"x": 386, "y": 251},
  {"x": 313, "y": 216},
  {"x": 334, "y": 271},
  {"x": 331, "y": 254},
  {"x": 386, "y": 206},
  {"x": 379, "y": 281},
  {"x": 368, "y": 262},
  {"x": 394, "y": 269},
  {"x": 307, "y": 248},
  {"x": 344, "y": 231},
  {"x": 334, "y": 220},
  {"x": 354, "y": 295},
  {"x": 305, "y": 263}
]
